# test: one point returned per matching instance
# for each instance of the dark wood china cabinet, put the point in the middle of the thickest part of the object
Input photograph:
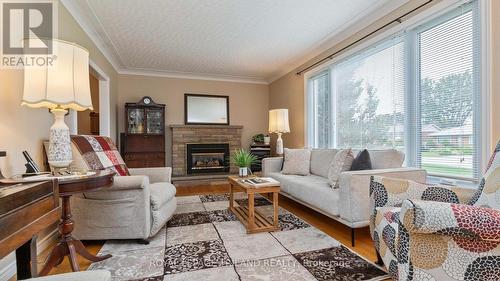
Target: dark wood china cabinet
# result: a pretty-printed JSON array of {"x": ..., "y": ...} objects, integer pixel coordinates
[{"x": 143, "y": 143}]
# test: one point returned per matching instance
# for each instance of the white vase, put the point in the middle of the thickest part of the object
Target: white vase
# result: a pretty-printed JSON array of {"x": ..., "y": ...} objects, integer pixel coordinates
[
  {"x": 267, "y": 140},
  {"x": 59, "y": 155},
  {"x": 243, "y": 171}
]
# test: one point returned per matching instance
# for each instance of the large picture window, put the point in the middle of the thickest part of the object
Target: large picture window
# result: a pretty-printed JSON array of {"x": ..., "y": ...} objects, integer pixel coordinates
[
  {"x": 447, "y": 90},
  {"x": 418, "y": 92},
  {"x": 369, "y": 98}
]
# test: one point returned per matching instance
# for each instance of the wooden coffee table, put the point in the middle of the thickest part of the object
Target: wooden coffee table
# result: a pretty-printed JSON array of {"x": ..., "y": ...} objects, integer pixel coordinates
[{"x": 253, "y": 220}]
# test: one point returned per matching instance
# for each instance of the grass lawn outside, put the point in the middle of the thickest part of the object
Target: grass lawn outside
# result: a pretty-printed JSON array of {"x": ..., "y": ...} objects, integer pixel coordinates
[
  {"x": 430, "y": 154},
  {"x": 447, "y": 170}
]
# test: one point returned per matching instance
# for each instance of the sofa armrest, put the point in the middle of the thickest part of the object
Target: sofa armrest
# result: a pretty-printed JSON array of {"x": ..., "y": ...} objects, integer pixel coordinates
[
  {"x": 354, "y": 201},
  {"x": 271, "y": 164},
  {"x": 161, "y": 174},
  {"x": 128, "y": 182},
  {"x": 456, "y": 220}
]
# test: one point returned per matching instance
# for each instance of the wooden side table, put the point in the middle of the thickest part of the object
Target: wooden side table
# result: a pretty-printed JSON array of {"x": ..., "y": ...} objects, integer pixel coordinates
[
  {"x": 69, "y": 245},
  {"x": 253, "y": 220}
]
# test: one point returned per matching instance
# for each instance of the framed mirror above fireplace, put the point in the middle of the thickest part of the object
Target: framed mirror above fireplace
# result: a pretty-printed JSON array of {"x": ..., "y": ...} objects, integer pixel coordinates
[
  {"x": 206, "y": 109},
  {"x": 204, "y": 158}
]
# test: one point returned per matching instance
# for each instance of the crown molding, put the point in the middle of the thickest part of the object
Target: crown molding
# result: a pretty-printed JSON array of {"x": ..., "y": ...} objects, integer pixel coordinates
[
  {"x": 90, "y": 24},
  {"x": 356, "y": 24},
  {"x": 87, "y": 20},
  {"x": 195, "y": 76}
]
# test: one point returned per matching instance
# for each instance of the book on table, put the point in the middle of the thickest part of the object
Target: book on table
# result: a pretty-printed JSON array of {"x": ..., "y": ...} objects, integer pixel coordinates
[{"x": 260, "y": 182}]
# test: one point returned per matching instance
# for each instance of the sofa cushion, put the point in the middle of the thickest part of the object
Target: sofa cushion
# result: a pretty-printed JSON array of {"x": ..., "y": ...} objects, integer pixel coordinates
[
  {"x": 161, "y": 193},
  {"x": 315, "y": 191},
  {"x": 321, "y": 160},
  {"x": 297, "y": 162},
  {"x": 386, "y": 158},
  {"x": 341, "y": 162}
]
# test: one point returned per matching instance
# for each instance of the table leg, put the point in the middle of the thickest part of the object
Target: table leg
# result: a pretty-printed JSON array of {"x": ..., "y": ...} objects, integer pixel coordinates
[
  {"x": 251, "y": 212},
  {"x": 231, "y": 196},
  {"x": 68, "y": 245},
  {"x": 276, "y": 209}
]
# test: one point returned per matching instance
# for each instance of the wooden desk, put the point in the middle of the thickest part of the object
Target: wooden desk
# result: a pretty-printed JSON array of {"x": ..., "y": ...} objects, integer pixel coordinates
[
  {"x": 25, "y": 210},
  {"x": 69, "y": 245},
  {"x": 253, "y": 220}
]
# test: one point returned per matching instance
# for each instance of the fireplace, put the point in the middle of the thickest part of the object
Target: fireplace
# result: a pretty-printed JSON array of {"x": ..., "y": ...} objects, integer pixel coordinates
[{"x": 205, "y": 158}]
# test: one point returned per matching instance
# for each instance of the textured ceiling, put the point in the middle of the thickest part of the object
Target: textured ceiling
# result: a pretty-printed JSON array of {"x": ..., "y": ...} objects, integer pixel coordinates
[{"x": 238, "y": 38}]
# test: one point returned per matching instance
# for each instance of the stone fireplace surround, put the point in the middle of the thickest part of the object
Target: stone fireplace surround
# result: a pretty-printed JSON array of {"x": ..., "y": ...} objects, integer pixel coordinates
[{"x": 184, "y": 134}]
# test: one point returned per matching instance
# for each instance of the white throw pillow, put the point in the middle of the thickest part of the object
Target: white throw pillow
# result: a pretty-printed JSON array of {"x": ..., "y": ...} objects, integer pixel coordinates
[
  {"x": 341, "y": 162},
  {"x": 296, "y": 162}
]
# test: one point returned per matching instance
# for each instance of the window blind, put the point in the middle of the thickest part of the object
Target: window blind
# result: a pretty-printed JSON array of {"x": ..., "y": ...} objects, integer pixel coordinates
[
  {"x": 320, "y": 100},
  {"x": 448, "y": 94},
  {"x": 368, "y": 90}
]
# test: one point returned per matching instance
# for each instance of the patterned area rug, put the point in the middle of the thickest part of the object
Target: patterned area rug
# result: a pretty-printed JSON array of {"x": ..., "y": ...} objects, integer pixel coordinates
[{"x": 204, "y": 241}]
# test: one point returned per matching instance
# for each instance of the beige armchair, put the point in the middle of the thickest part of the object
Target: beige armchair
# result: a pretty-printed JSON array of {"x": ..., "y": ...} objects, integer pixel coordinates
[{"x": 136, "y": 206}]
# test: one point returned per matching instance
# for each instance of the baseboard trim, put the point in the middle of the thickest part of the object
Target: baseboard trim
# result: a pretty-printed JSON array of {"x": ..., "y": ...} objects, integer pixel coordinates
[{"x": 8, "y": 271}]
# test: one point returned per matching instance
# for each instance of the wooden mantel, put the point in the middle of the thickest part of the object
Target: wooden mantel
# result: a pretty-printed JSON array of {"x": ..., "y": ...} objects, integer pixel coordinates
[{"x": 207, "y": 126}]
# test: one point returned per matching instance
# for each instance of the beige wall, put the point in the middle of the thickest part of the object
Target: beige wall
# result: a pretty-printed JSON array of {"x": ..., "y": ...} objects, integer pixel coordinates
[
  {"x": 23, "y": 128},
  {"x": 248, "y": 103},
  {"x": 84, "y": 116},
  {"x": 288, "y": 91}
]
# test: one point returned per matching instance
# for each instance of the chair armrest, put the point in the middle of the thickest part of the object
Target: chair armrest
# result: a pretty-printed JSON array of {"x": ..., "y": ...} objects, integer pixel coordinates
[
  {"x": 354, "y": 187},
  {"x": 161, "y": 174},
  {"x": 271, "y": 164},
  {"x": 456, "y": 220},
  {"x": 387, "y": 191},
  {"x": 129, "y": 182}
]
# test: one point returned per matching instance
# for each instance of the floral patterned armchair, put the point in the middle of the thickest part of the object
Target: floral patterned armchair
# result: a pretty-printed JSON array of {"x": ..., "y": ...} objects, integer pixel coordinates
[{"x": 438, "y": 232}]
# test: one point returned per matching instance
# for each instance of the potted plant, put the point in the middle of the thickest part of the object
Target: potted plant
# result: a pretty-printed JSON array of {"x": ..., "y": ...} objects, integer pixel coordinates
[
  {"x": 258, "y": 138},
  {"x": 243, "y": 159}
]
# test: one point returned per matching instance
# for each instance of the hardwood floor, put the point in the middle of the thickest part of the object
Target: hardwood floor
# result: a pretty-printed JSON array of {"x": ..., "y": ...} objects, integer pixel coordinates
[{"x": 364, "y": 244}]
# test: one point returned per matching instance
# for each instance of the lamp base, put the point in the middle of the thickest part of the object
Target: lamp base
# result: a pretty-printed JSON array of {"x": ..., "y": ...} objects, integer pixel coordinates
[
  {"x": 279, "y": 145},
  {"x": 59, "y": 154}
]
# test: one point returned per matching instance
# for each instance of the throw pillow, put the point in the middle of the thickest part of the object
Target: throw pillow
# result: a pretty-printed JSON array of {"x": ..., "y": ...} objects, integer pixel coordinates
[
  {"x": 362, "y": 161},
  {"x": 296, "y": 162},
  {"x": 341, "y": 162}
]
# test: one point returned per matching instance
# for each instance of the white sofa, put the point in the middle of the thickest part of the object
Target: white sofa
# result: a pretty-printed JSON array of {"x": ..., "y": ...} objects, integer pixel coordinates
[{"x": 349, "y": 203}]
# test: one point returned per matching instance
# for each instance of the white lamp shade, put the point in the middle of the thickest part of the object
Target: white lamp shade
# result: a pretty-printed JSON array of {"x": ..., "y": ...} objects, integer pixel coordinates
[
  {"x": 278, "y": 121},
  {"x": 65, "y": 83}
]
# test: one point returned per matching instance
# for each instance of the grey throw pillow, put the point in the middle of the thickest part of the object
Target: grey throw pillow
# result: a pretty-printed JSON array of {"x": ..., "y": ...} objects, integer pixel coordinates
[
  {"x": 296, "y": 162},
  {"x": 341, "y": 162}
]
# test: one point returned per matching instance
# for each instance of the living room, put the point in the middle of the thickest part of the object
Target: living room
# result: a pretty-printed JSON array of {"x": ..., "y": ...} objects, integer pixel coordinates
[{"x": 262, "y": 140}]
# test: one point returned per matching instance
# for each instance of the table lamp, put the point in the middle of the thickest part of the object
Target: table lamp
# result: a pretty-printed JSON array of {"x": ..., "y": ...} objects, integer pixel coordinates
[
  {"x": 278, "y": 123},
  {"x": 61, "y": 86}
]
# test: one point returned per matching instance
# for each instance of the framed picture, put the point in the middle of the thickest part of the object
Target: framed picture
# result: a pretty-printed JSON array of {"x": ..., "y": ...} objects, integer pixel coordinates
[{"x": 206, "y": 109}]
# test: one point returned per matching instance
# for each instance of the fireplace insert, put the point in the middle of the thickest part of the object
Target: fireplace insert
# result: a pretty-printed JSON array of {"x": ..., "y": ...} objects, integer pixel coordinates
[{"x": 202, "y": 158}]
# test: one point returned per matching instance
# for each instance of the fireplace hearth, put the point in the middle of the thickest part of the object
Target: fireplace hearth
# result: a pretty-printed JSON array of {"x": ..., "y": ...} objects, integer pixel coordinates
[{"x": 206, "y": 158}]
